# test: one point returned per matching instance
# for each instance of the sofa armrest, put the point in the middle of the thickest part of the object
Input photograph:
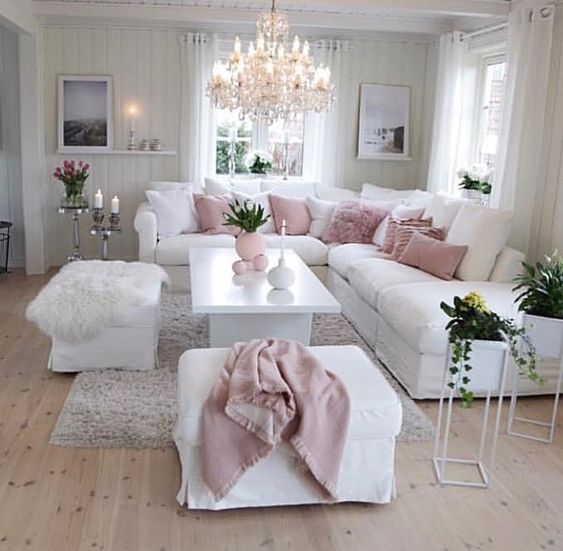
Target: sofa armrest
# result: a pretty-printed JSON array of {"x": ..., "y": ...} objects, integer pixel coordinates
[
  {"x": 507, "y": 266},
  {"x": 146, "y": 226}
]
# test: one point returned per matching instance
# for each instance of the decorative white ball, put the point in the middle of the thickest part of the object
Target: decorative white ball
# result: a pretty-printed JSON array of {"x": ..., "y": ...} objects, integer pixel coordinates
[{"x": 281, "y": 277}]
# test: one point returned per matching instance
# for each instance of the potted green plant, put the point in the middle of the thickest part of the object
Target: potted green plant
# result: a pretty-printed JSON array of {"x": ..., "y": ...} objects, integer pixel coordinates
[
  {"x": 479, "y": 340},
  {"x": 248, "y": 216},
  {"x": 259, "y": 162},
  {"x": 475, "y": 182},
  {"x": 541, "y": 301}
]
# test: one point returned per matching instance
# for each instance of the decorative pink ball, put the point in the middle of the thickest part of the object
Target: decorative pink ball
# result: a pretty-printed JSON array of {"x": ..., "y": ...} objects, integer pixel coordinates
[
  {"x": 239, "y": 267},
  {"x": 260, "y": 262}
]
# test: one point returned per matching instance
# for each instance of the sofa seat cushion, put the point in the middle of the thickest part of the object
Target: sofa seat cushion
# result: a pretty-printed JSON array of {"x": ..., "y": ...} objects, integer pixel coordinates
[
  {"x": 413, "y": 310},
  {"x": 341, "y": 257},
  {"x": 173, "y": 251},
  {"x": 311, "y": 250},
  {"x": 375, "y": 407},
  {"x": 370, "y": 276}
]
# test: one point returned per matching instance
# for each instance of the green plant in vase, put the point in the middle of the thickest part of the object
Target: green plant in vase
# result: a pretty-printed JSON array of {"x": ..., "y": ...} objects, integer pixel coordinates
[
  {"x": 259, "y": 162},
  {"x": 473, "y": 326},
  {"x": 73, "y": 176}
]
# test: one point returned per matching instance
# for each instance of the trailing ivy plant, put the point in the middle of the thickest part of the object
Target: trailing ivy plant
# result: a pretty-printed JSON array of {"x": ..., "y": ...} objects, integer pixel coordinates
[
  {"x": 472, "y": 320},
  {"x": 542, "y": 288},
  {"x": 246, "y": 215}
]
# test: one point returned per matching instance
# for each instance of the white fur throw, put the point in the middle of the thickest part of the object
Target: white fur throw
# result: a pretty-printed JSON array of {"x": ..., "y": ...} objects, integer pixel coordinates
[{"x": 86, "y": 296}]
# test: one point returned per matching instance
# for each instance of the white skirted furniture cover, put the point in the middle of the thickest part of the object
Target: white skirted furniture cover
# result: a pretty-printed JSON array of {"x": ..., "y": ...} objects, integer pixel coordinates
[
  {"x": 101, "y": 315},
  {"x": 367, "y": 472}
]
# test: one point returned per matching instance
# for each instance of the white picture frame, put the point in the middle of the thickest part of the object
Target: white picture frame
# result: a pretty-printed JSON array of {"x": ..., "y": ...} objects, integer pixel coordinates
[
  {"x": 85, "y": 119},
  {"x": 384, "y": 122}
]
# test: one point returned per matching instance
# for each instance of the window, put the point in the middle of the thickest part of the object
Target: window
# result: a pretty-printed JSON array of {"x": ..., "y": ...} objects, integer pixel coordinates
[
  {"x": 256, "y": 136},
  {"x": 494, "y": 75}
]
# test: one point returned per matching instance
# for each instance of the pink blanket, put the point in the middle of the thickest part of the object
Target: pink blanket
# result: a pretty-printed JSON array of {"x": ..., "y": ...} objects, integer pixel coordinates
[{"x": 271, "y": 390}]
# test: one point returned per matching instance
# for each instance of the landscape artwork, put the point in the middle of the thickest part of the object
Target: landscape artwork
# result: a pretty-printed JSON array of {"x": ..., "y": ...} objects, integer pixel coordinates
[
  {"x": 84, "y": 114},
  {"x": 384, "y": 122}
]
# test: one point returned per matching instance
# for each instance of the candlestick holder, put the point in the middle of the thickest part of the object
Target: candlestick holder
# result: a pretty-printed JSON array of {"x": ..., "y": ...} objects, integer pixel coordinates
[
  {"x": 232, "y": 160},
  {"x": 105, "y": 232},
  {"x": 131, "y": 141},
  {"x": 285, "y": 161}
]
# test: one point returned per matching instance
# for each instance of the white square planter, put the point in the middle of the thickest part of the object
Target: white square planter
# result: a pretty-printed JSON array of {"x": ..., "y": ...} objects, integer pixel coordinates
[
  {"x": 487, "y": 360},
  {"x": 546, "y": 335}
]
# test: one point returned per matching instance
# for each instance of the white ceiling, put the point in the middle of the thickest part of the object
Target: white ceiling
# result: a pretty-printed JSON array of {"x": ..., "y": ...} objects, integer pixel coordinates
[{"x": 349, "y": 16}]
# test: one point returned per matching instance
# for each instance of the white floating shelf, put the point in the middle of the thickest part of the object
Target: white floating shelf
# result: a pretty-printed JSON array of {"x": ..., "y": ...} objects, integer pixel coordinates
[{"x": 122, "y": 152}]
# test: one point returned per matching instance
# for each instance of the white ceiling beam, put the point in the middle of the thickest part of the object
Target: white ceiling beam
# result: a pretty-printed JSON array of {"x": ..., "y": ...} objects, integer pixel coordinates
[{"x": 228, "y": 19}]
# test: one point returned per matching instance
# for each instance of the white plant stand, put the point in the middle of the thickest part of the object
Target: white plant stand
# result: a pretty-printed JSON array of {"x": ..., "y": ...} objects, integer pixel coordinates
[
  {"x": 548, "y": 345},
  {"x": 483, "y": 461}
]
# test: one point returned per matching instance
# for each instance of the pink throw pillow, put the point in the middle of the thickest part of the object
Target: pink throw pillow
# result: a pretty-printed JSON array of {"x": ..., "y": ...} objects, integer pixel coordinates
[
  {"x": 211, "y": 210},
  {"x": 354, "y": 222},
  {"x": 432, "y": 256},
  {"x": 404, "y": 234},
  {"x": 294, "y": 211},
  {"x": 395, "y": 224}
]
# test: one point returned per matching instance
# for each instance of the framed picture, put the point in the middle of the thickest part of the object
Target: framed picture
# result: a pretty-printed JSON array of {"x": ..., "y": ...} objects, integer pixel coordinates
[
  {"x": 85, "y": 114},
  {"x": 383, "y": 131}
]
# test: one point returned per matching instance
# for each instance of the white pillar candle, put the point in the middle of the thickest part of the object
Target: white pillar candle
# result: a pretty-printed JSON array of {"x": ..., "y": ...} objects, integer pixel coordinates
[
  {"x": 133, "y": 115},
  {"x": 99, "y": 200},
  {"x": 282, "y": 237},
  {"x": 115, "y": 205},
  {"x": 233, "y": 134}
]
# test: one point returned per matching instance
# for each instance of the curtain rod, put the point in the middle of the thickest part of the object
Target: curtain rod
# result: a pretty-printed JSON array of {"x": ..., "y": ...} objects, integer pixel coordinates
[{"x": 486, "y": 30}]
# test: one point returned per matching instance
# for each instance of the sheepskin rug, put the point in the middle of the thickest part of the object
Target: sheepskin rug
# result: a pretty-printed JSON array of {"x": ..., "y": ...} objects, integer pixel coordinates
[{"x": 86, "y": 296}]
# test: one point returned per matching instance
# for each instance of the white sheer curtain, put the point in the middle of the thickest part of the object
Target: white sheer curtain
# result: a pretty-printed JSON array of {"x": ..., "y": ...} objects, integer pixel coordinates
[
  {"x": 455, "y": 95},
  {"x": 320, "y": 158},
  {"x": 520, "y": 164},
  {"x": 197, "y": 121}
]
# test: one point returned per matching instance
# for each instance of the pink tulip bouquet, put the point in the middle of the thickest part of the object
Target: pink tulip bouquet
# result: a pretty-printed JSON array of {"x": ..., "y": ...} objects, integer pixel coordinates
[{"x": 73, "y": 175}]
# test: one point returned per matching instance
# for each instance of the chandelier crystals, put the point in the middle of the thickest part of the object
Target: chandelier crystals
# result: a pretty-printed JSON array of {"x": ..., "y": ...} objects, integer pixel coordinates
[{"x": 271, "y": 81}]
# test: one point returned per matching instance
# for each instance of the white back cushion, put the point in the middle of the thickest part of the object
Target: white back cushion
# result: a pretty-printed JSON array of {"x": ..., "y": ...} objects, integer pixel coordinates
[
  {"x": 377, "y": 193},
  {"x": 290, "y": 189},
  {"x": 262, "y": 199},
  {"x": 333, "y": 193},
  {"x": 443, "y": 209},
  {"x": 175, "y": 211},
  {"x": 250, "y": 187},
  {"x": 485, "y": 231},
  {"x": 216, "y": 187}
]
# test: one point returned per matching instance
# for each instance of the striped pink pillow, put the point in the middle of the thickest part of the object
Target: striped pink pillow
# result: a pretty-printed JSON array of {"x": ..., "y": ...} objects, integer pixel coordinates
[
  {"x": 395, "y": 224},
  {"x": 405, "y": 233}
]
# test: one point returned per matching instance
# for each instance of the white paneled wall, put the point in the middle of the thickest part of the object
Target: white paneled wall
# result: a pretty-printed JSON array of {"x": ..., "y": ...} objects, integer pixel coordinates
[
  {"x": 10, "y": 159},
  {"x": 145, "y": 67}
]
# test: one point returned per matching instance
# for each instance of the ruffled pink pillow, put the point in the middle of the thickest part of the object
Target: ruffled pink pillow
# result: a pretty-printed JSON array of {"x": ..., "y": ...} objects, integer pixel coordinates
[
  {"x": 354, "y": 222},
  {"x": 433, "y": 256},
  {"x": 211, "y": 210},
  {"x": 294, "y": 211},
  {"x": 396, "y": 223},
  {"x": 405, "y": 233}
]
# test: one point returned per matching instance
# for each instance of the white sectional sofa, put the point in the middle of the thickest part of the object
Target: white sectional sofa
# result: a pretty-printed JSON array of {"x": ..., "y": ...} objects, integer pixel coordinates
[{"x": 396, "y": 308}]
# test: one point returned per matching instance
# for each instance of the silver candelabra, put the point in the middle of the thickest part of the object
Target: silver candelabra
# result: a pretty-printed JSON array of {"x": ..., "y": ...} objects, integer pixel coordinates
[{"x": 105, "y": 232}]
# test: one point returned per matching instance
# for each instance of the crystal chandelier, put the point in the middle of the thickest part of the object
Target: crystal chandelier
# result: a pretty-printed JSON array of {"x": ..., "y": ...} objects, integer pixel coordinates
[{"x": 271, "y": 81}]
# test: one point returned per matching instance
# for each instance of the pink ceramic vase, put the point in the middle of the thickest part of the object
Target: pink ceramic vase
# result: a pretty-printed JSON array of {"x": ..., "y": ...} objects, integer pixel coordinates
[{"x": 250, "y": 245}]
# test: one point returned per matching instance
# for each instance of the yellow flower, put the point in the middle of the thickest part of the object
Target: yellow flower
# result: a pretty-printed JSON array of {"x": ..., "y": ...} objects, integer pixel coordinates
[{"x": 476, "y": 301}]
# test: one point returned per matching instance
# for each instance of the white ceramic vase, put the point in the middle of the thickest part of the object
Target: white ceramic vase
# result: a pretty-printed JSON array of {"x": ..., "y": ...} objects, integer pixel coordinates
[{"x": 281, "y": 277}]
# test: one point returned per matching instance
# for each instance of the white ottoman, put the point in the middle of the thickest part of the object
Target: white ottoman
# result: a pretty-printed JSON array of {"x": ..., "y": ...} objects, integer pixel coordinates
[
  {"x": 129, "y": 342},
  {"x": 367, "y": 472}
]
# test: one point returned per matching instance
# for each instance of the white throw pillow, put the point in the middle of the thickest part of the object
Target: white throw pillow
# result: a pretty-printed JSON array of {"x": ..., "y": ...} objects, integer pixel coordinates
[
  {"x": 321, "y": 213},
  {"x": 333, "y": 193},
  {"x": 290, "y": 189},
  {"x": 165, "y": 185},
  {"x": 216, "y": 187},
  {"x": 373, "y": 192},
  {"x": 402, "y": 212},
  {"x": 175, "y": 211},
  {"x": 443, "y": 209},
  {"x": 419, "y": 198},
  {"x": 262, "y": 199},
  {"x": 485, "y": 231}
]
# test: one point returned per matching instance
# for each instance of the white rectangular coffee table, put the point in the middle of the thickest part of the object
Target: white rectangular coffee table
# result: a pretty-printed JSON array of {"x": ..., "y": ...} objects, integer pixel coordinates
[{"x": 245, "y": 307}]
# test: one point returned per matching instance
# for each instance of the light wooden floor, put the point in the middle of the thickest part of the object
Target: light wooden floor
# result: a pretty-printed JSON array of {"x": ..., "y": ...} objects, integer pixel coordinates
[{"x": 70, "y": 499}]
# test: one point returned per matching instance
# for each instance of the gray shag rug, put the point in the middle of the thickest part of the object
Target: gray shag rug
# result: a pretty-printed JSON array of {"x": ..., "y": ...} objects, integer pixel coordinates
[{"x": 137, "y": 409}]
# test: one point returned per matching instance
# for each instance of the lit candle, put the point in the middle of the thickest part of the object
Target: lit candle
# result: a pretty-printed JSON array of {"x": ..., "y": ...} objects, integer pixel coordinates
[
  {"x": 115, "y": 205},
  {"x": 283, "y": 226},
  {"x": 99, "y": 200},
  {"x": 286, "y": 136},
  {"x": 296, "y": 45},
  {"x": 237, "y": 45},
  {"x": 133, "y": 115}
]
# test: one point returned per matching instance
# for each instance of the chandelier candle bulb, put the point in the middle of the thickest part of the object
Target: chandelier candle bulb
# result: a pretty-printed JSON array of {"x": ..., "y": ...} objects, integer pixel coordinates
[{"x": 99, "y": 200}]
